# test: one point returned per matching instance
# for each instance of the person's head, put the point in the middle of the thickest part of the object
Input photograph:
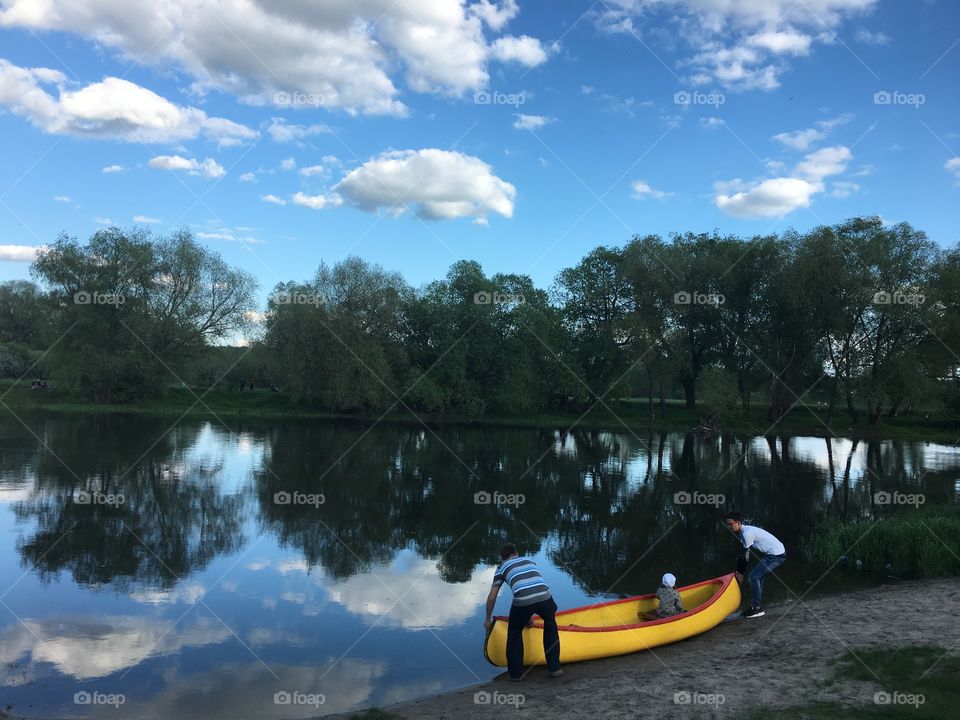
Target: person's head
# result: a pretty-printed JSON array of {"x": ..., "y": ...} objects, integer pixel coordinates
[
  {"x": 508, "y": 551},
  {"x": 734, "y": 521},
  {"x": 669, "y": 580}
]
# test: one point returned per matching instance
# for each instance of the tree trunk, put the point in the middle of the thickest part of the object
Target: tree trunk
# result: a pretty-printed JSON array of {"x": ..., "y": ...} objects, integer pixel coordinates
[
  {"x": 690, "y": 392},
  {"x": 850, "y": 408},
  {"x": 779, "y": 400},
  {"x": 833, "y": 398}
]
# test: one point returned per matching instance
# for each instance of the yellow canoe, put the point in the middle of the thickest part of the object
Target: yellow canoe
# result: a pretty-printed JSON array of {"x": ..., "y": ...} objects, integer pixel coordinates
[{"x": 613, "y": 628}]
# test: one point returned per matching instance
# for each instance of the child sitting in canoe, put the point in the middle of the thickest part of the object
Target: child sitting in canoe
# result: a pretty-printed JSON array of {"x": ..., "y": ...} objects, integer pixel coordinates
[{"x": 668, "y": 599}]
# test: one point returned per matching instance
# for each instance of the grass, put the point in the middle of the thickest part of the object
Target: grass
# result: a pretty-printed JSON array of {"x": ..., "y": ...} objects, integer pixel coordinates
[
  {"x": 916, "y": 543},
  {"x": 918, "y": 671},
  {"x": 615, "y": 415}
]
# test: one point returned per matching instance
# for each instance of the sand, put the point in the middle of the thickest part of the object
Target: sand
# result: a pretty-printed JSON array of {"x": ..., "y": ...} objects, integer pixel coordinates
[{"x": 777, "y": 661}]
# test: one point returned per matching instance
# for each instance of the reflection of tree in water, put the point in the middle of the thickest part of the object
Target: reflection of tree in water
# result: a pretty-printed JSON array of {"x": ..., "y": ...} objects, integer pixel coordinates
[
  {"x": 173, "y": 519},
  {"x": 400, "y": 486}
]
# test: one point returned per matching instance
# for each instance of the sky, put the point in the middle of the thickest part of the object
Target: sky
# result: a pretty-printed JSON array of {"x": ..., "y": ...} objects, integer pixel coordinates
[{"x": 416, "y": 133}]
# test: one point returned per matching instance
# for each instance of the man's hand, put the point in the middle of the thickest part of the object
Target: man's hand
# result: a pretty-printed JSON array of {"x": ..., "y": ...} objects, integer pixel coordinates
[
  {"x": 530, "y": 622},
  {"x": 739, "y": 578}
]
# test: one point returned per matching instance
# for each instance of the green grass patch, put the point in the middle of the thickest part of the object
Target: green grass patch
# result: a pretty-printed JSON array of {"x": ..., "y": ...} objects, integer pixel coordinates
[
  {"x": 613, "y": 414},
  {"x": 914, "y": 543},
  {"x": 919, "y": 683}
]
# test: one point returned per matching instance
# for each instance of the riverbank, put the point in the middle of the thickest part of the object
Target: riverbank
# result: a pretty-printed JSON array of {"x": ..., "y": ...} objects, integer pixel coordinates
[
  {"x": 823, "y": 658},
  {"x": 615, "y": 415}
]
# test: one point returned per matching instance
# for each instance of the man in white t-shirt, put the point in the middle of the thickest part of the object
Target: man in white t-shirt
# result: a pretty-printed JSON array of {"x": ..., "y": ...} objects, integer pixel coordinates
[{"x": 769, "y": 550}]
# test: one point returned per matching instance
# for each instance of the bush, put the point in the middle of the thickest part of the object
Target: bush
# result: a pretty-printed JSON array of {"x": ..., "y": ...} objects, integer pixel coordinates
[{"x": 718, "y": 392}]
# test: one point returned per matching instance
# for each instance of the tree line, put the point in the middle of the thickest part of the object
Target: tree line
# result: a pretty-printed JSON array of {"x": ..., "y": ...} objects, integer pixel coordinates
[{"x": 861, "y": 314}]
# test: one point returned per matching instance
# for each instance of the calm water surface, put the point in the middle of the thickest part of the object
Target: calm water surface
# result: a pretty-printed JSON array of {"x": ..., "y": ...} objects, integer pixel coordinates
[{"x": 199, "y": 570}]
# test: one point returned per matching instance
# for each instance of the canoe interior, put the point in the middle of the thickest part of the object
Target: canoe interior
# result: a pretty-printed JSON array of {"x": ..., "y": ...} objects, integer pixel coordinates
[{"x": 617, "y": 614}]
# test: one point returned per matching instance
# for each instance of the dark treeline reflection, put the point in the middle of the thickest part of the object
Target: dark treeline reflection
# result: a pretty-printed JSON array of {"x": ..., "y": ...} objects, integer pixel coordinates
[{"x": 608, "y": 505}]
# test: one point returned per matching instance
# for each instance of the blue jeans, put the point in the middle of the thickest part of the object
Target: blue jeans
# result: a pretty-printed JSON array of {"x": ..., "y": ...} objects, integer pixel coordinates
[
  {"x": 519, "y": 616},
  {"x": 767, "y": 564}
]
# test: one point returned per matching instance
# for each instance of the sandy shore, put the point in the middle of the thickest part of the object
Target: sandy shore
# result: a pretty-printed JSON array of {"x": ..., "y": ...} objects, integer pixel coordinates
[{"x": 777, "y": 661}]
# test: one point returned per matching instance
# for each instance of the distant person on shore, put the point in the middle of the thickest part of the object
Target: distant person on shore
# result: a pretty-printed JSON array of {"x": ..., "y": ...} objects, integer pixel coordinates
[
  {"x": 531, "y": 596},
  {"x": 771, "y": 556},
  {"x": 668, "y": 598}
]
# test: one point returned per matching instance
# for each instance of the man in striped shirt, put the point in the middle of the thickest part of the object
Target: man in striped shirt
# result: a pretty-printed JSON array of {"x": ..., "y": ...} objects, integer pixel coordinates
[{"x": 531, "y": 596}]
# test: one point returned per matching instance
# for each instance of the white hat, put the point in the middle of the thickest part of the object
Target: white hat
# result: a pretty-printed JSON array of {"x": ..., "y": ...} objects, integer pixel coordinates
[{"x": 669, "y": 579}]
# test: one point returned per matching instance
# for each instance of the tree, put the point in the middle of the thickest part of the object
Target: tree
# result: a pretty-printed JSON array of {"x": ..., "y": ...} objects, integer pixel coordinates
[{"x": 134, "y": 310}]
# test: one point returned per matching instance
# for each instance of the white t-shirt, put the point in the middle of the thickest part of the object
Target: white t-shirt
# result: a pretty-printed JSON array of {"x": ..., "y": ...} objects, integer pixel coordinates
[{"x": 761, "y": 541}]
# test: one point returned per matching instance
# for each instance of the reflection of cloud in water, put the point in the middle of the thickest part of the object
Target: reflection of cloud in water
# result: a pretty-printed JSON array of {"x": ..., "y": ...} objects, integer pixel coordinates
[
  {"x": 411, "y": 593},
  {"x": 247, "y": 691},
  {"x": 186, "y": 593},
  {"x": 88, "y": 649}
]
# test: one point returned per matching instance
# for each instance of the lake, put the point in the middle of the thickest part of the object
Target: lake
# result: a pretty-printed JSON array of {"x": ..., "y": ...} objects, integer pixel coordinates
[{"x": 156, "y": 569}]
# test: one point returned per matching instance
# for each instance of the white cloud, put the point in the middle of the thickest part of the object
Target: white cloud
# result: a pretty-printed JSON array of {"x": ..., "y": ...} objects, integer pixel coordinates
[
  {"x": 871, "y": 38},
  {"x": 781, "y": 42},
  {"x": 281, "y": 131},
  {"x": 288, "y": 164},
  {"x": 209, "y": 168},
  {"x": 113, "y": 169},
  {"x": 19, "y": 253},
  {"x": 530, "y": 122},
  {"x": 711, "y": 122},
  {"x": 103, "y": 221},
  {"x": 821, "y": 163},
  {"x": 441, "y": 184},
  {"x": 799, "y": 139},
  {"x": 642, "y": 190},
  {"x": 229, "y": 237},
  {"x": 270, "y": 198},
  {"x": 146, "y": 219},
  {"x": 113, "y": 108},
  {"x": 524, "y": 50},
  {"x": 62, "y": 198},
  {"x": 778, "y": 196},
  {"x": 802, "y": 139},
  {"x": 493, "y": 15},
  {"x": 316, "y": 202},
  {"x": 302, "y": 55},
  {"x": 841, "y": 189},
  {"x": 247, "y": 177},
  {"x": 741, "y": 44},
  {"x": 770, "y": 198},
  {"x": 953, "y": 165}
]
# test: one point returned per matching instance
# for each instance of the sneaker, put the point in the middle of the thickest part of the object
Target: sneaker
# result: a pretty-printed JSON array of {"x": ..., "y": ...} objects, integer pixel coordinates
[
  {"x": 513, "y": 679},
  {"x": 752, "y": 613},
  {"x": 555, "y": 673}
]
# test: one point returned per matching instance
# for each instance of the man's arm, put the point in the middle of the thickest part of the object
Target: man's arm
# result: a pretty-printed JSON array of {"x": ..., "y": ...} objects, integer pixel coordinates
[{"x": 491, "y": 601}]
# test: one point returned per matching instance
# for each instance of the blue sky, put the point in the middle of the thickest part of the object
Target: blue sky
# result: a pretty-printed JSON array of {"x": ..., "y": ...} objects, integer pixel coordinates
[{"x": 518, "y": 134}]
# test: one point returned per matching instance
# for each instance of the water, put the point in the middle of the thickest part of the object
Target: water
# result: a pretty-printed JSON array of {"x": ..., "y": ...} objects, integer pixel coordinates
[{"x": 186, "y": 587}]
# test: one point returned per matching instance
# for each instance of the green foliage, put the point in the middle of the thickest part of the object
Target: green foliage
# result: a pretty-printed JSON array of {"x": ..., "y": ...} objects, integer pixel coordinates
[
  {"x": 919, "y": 543},
  {"x": 134, "y": 310},
  {"x": 718, "y": 390}
]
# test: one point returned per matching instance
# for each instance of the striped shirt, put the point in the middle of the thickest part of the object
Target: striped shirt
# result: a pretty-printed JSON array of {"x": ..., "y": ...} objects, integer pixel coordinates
[{"x": 525, "y": 581}]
